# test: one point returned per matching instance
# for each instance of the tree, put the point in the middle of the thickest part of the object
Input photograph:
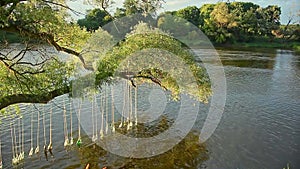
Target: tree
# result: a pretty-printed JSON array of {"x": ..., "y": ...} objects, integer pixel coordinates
[
  {"x": 190, "y": 13},
  {"x": 139, "y": 6},
  {"x": 33, "y": 73},
  {"x": 272, "y": 18},
  {"x": 94, "y": 19}
]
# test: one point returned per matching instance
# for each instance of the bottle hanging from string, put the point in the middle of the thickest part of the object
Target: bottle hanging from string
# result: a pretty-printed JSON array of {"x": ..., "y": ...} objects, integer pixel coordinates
[
  {"x": 124, "y": 105},
  {"x": 31, "y": 134},
  {"x": 14, "y": 158},
  {"x": 102, "y": 115},
  {"x": 1, "y": 164},
  {"x": 50, "y": 132},
  {"x": 94, "y": 138},
  {"x": 71, "y": 125},
  {"x": 79, "y": 142},
  {"x": 112, "y": 110},
  {"x": 135, "y": 105},
  {"x": 23, "y": 152},
  {"x": 37, "y": 149},
  {"x": 106, "y": 111},
  {"x": 66, "y": 142},
  {"x": 45, "y": 139},
  {"x": 19, "y": 138},
  {"x": 15, "y": 145}
]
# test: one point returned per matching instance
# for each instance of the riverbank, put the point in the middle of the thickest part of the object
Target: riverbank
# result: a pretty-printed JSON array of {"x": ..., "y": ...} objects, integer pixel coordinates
[{"x": 258, "y": 45}]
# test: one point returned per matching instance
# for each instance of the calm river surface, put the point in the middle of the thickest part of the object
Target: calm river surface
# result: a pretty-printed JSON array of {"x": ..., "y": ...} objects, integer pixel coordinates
[{"x": 260, "y": 127}]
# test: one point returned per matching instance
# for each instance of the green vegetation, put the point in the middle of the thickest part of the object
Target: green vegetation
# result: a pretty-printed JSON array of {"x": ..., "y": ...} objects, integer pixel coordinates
[
  {"x": 94, "y": 19},
  {"x": 29, "y": 73},
  {"x": 242, "y": 24},
  {"x": 48, "y": 23},
  {"x": 155, "y": 39}
]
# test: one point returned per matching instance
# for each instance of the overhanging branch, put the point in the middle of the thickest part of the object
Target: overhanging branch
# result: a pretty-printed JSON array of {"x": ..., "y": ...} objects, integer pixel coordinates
[
  {"x": 32, "y": 98},
  {"x": 47, "y": 38}
]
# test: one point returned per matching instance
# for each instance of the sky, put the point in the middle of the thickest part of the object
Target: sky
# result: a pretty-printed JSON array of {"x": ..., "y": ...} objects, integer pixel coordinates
[{"x": 288, "y": 7}]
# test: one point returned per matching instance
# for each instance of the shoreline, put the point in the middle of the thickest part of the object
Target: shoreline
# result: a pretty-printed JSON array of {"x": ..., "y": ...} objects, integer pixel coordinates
[{"x": 260, "y": 46}]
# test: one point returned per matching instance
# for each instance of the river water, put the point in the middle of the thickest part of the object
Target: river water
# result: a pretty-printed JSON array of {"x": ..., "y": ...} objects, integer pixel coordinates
[{"x": 260, "y": 126}]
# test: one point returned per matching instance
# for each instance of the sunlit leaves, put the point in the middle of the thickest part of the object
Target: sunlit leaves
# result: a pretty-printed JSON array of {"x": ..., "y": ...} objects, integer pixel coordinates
[{"x": 136, "y": 45}]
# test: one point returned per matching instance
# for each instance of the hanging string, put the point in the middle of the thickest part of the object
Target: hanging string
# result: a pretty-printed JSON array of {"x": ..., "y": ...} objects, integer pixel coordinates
[
  {"x": 71, "y": 127},
  {"x": 31, "y": 134},
  {"x": 50, "y": 132},
  {"x": 44, "y": 126},
  {"x": 12, "y": 145},
  {"x": 37, "y": 149},
  {"x": 20, "y": 140},
  {"x": 106, "y": 113},
  {"x": 102, "y": 115},
  {"x": 45, "y": 139},
  {"x": 128, "y": 106},
  {"x": 0, "y": 151},
  {"x": 124, "y": 106},
  {"x": 23, "y": 152},
  {"x": 135, "y": 105},
  {"x": 112, "y": 110},
  {"x": 93, "y": 120},
  {"x": 65, "y": 126},
  {"x": 96, "y": 118},
  {"x": 16, "y": 148},
  {"x": 130, "y": 102},
  {"x": 79, "y": 142}
]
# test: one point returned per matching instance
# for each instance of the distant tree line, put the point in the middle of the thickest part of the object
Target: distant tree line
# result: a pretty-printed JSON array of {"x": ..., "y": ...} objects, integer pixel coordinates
[{"x": 221, "y": 22}]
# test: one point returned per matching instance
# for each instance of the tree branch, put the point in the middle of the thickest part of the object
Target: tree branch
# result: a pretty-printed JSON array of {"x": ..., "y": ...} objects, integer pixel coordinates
[
  {"x": 47, "y": 38},
  {"x": 32, "y": 98}
]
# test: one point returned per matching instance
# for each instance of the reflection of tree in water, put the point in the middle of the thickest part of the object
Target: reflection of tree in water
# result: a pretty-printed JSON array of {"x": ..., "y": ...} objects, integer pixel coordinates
[{"x": 189, "y": 153}]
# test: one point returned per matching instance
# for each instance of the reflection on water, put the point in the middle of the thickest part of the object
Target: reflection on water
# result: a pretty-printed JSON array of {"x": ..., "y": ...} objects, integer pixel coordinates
[
  {"x": 260, "y": 127},
  {"x": 187, "y": 154}
]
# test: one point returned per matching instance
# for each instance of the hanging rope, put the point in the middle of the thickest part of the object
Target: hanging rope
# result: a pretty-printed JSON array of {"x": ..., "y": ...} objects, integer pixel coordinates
[
  {"x": 66, "y": 143},
  {"x": 31, "y": 134},
  {"x": 16, "y": 148},
  {"x": 93, "y": 121},
  {"x": 20, "y": 140},
  {"x": 102, "y": 115},
  {"x": 124, "y": 105},
  {"x": 50, "y": 132},
  {"x": 128, "y": 106},
  {"x": 112, "y": 109},
  {"x": 37, "y": 149},
  {"x": 45, "y": 139},
  {"x": 106, "y": 112},
  {"x": 79, "y": 142},
  {"x": 135, "y": 105},
  {"x": 23, "y": 152},
  {"x": 71, "y": 127},
  {"x": 0, "y": 151},
  {"x": 96, "y": 118},
  {"x": 14, "y": 159}
]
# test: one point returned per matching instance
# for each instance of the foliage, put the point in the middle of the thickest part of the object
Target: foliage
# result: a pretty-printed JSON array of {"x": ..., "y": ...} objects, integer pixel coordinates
[
  {"x": 131, "y": 7},
  {"x": 94, "y": 19},
  {"x": 36, "y": 25},
  {"x": 230, "y": 22},
  {"x": 55, "y": 75},
  {"x": 191, "y": 14},
  {"x": 143, "y": 38}
]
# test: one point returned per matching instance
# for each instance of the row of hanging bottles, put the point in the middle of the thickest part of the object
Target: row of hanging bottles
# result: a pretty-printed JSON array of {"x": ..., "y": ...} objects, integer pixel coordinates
[
  {"x": 104, "y": 108},
  {"x": 17, "y": 137}
]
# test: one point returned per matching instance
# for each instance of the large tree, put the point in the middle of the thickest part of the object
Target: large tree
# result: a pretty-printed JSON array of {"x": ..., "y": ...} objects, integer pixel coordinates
[{"x": 34, "y": 72}]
